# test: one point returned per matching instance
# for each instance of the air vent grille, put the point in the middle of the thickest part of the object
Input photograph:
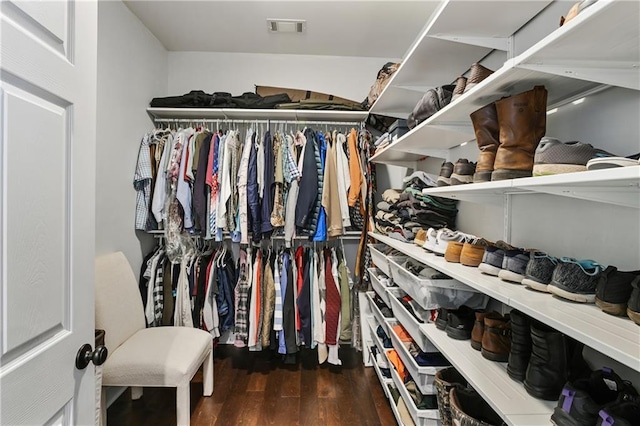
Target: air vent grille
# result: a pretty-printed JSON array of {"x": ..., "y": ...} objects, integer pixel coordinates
[{"x": 298, "y": 26}]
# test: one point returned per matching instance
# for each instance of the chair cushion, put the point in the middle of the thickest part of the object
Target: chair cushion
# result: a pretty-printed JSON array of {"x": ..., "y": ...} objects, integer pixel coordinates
[{"x": 160, "y": 356}]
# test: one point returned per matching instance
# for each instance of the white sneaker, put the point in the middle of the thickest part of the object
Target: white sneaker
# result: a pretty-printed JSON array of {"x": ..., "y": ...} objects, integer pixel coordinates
[
  {"x": 431, "y": 239},
  {"x": 443, "y": 238}
]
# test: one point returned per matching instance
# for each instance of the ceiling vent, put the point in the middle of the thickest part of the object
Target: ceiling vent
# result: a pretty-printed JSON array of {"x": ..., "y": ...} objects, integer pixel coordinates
[{"x": 298, "y": 26}]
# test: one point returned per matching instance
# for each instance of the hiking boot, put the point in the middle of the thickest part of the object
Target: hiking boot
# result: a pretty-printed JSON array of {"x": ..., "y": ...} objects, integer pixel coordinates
[
  {"x": 463, "y": 172},
  {"x": 445, "y": 380},
  {"x": 493, "y": 258},
  {"x": 523, "y": 120},
  {"x": 547, "y": 370},
  {"x": 469, "y": 409},
  {"x": 553, "y": 157},
  {"x": 473, "y": 251},
  {"x": 633, "y": 306},
  {"x": 539, "y": 271},
  {"x": 514, "y": 265},
  {"x": 623, "y": 413},
  {"x": 576, "y": 280},
  {"x": 496, "y": 340},
  {"x": 460, "y": 323},
  {"x": 613, "y": 290},
  {"x": 582, "y": 399},
  {"x": 445, "y": 174},
  {"x": 520, "y": 352},
  {"x": 485, "y": 127},
  {"x": 478, "y": 330}
]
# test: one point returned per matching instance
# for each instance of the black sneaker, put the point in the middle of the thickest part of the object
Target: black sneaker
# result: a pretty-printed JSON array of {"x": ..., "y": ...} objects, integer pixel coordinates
[
  {"x": 576, "y": 280},
  {"x": 581, "y": 400},
  {"x": 445, "y": 174},
  {"x": 539, "y": 271},
  {"x": 441, "y": 319},
  {"x": 624, "y": 413},
  {"x": 460, "y": 323},
  {"x": 614, "y": 290},
  {"x": 633, "y": 306}
]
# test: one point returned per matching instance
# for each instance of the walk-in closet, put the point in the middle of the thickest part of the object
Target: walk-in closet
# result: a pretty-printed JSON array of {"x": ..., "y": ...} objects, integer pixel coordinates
[{"x": 419, "y": 212}]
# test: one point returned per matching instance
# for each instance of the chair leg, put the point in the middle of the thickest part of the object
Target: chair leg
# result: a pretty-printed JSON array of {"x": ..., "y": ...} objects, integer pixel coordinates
[
  {"x": 183, "y": 404},
  {"x": 207, "y": 375},
  {"x": 136, "y": 392}
]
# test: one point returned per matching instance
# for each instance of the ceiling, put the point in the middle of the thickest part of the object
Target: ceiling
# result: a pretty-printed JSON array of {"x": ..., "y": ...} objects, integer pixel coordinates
[{"x": 382, "y": 29}]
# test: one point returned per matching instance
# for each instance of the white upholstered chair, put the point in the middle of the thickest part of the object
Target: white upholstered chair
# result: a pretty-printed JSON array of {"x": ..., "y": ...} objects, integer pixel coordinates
[{"x": 139, "y": 356}]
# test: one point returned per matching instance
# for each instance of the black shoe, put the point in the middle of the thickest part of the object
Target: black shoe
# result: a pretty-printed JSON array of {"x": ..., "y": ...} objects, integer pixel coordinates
[
  {"x": 633, "y": 306},
  {"x": 625, "y": 413},
  {"x": 614, "y": 290},
  {"x": 441, "y": 319},
  {"x": 547, "y": 370},
  {"x": 582, "y": 399},
  {"x": 520, "y": 352},
  {"x": 460, "y": 323}
]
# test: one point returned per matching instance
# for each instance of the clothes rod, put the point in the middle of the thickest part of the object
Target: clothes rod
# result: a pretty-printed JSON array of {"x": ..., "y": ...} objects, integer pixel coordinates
[{"x": 232, "y": 121}]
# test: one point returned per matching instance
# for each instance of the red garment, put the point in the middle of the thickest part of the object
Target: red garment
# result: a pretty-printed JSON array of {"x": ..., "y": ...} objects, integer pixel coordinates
[
  {"x": 299, "y": 282},
  {"x": 332, "y": 314},
  {"x": 186, "y": 160}
]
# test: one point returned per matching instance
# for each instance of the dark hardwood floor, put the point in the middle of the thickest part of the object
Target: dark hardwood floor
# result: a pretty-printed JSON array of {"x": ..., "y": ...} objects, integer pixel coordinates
[{"x": 258, "y": 389}]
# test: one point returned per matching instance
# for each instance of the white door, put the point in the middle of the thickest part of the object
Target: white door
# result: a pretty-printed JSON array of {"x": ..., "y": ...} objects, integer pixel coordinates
[{"x": 47, "y": 180}]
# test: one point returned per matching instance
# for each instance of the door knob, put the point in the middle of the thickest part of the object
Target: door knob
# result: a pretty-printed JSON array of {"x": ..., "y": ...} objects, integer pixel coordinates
[{"x": 86, "y": 355}]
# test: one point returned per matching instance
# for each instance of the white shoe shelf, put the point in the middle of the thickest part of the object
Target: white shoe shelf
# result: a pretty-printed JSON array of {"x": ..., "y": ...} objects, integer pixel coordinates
[
  {"x": 617, "y": 337},
  {"x": 506, "y": 396},
  {"x": 619, "y": 186},
  {"x": 599, "y": 47}
]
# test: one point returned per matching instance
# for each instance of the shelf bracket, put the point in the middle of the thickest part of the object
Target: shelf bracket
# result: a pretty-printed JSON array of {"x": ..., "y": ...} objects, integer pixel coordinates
[
  {"x": 500, "y": 43},
  {"x": 506, "y": 220}
]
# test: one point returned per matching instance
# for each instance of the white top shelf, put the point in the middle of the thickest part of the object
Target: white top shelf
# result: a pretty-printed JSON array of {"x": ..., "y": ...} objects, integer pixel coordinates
[
  {"x": 507, "y": 397},
  {"x": 619, "y": 186},
  {"x": 616, "y": 337},
  {"x": 257, "y": 114},
  {"x": 458, "y": 34},
  {"x": 600, "y": 46}
]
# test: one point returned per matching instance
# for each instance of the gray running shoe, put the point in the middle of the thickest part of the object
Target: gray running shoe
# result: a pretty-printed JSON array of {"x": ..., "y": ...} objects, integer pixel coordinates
[
  {"x": 553, "y": 157},
  {"x": 576, "y": 279}
]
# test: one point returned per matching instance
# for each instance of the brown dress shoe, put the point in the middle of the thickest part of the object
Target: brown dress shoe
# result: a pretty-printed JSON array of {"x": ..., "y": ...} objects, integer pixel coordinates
[
  {"x": 496, "y": 340},
  {"x": 473, "y": 252},
  {"x": 452, "y": 253}
]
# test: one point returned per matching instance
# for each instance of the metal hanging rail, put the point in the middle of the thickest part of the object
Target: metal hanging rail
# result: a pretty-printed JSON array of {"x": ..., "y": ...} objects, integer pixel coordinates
[{"x": 236, "y": 121}]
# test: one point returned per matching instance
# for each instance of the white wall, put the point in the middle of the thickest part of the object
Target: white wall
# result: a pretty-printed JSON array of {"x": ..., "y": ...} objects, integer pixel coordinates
[
  {"x": 347, "y": 77},
  {"x": 132, "y": 68}
]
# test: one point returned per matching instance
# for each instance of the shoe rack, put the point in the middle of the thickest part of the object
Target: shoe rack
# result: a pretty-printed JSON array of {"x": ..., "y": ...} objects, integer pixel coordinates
[{"x": 598, "y": 49}]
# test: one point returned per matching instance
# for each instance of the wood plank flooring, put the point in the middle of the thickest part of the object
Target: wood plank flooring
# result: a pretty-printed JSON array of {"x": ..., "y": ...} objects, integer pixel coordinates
[{"x": 258, "y": 389}]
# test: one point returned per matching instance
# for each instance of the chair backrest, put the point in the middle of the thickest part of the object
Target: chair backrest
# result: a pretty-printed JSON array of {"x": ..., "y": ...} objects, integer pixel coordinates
[{"x": 119, "y": 309}]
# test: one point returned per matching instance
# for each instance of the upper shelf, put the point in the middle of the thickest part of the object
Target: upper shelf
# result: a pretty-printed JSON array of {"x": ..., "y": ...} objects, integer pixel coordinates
[
  {"x": 616, "y": 337},
  {"x": 458, "y": 34},
  {"x": 257, "y": 114},
  {"x": 619, "y": 186},
  {"x": 600, "y": 46}
]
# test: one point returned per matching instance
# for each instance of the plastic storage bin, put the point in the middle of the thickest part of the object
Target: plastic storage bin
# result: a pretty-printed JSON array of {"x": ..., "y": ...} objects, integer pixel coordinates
[
  {"x": 378, "y": 286},
  {"x": 433, "y": 294},
  {"x": 423, "y": 376},
  {"x": 381, "y": 260},
  {"x": 377, "y": 313},
  {"x": 411, "y": 324},
  {"x": 420, "y": 417}
]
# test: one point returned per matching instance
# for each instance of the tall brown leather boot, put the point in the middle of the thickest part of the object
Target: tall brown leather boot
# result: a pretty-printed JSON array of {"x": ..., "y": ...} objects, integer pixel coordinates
[
  {"x": 485, "y": 126},
  {"x": 523, "y": 121},
  {"x": 496, "y": 339}
]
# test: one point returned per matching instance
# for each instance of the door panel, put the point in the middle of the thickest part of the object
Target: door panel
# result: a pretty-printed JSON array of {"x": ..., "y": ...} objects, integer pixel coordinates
[
  {"x": 37, "y": 285},
  {"x": 47, "y": 209}
]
